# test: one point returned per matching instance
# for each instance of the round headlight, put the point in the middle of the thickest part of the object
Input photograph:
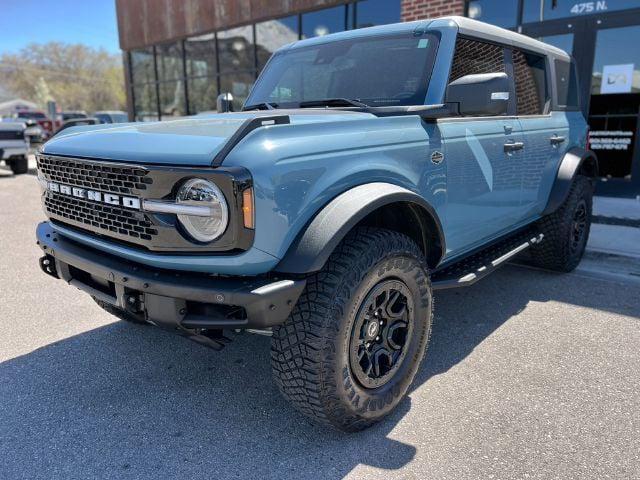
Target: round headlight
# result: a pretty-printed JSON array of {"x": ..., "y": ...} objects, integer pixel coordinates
[{"x": 209, "y": 224}]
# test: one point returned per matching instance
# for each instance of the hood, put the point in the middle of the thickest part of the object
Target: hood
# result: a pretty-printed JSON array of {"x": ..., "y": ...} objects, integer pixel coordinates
[{"x": 192, "y": 141}]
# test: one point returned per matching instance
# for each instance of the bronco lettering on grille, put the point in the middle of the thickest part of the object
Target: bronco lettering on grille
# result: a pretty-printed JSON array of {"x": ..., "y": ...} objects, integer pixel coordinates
[{"x": 95, "y": 196}]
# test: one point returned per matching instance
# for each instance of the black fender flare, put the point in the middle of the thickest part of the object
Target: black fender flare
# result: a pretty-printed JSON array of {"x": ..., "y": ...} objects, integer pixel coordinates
[
  {"x": 313, "y": 246},
  {"x": 574, "y": 161}
]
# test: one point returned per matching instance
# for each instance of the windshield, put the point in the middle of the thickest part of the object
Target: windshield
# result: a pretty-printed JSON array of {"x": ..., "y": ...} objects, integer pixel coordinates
[{"x": 379, "y": 71}]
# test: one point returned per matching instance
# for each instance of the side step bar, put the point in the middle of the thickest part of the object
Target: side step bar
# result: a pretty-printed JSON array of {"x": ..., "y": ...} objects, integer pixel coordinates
[{"x": 471, "y": 269}]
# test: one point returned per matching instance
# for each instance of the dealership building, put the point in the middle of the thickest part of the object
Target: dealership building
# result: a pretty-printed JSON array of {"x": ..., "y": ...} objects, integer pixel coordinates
[{"x": 179, "y": 55}]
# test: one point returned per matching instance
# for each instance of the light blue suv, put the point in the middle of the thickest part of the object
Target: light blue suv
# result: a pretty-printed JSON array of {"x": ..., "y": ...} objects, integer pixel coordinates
[{"x": 367, "y": 169}]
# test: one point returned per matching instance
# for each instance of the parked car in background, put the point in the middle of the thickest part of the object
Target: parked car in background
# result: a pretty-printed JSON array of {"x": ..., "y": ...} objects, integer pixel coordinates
[
  {"x": 75, "y": 122},
  {"x": 33, "y": 131},
  {"x": 14, "y": 146},
  {"x": 46, "y": 124},
  {"x": 367, "y": 169},
  {"x": 71, "y": 114},
  {"x": 111, "y": 116}
]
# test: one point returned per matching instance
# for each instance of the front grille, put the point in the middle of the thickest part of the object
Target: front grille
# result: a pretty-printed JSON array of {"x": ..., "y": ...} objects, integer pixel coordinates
[
  {"x": 11, "y": 135},
  {"x": 84, "y": 204},
  {"x": 103, "y": 217},
  {"x": 104, "y": 177}
]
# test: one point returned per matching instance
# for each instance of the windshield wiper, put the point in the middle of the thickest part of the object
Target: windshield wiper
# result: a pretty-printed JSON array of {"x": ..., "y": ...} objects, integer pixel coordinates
[
  {"x": 260, "y": 106},
  {"x": 333, "y": 102}
]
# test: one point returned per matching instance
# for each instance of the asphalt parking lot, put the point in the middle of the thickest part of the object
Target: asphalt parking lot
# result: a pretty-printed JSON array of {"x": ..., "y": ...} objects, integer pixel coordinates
[{"x": 529, "y": 375}]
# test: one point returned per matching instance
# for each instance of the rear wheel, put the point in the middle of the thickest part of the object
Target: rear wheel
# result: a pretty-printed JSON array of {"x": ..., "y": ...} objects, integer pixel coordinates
[
  {"x": 566, "y": 230},
  {"x": 351, "y": 347},
  {"x": 19, "y": 165}
]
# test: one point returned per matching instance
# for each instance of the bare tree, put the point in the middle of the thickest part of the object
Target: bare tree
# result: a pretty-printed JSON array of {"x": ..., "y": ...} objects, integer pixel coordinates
[{"x": 76, "y": 76}]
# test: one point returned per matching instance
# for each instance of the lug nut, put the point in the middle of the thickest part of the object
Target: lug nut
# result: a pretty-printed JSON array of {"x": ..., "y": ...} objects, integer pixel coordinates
[{"x": 377, "y": 339}]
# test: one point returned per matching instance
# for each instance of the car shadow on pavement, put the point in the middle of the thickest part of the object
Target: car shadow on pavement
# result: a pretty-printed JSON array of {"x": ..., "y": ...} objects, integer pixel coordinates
[
  {"x": 5, "y": 172},
  {"x": 132, "y": 401}
]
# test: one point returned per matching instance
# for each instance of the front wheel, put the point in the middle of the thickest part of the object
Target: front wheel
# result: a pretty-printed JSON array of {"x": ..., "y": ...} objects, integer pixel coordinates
[{"x": 351, "y": 347}]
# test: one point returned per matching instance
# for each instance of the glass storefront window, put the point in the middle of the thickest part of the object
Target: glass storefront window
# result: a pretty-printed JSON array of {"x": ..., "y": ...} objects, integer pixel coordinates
[
  {"x": 377, "y": 12},
  {"x": 169, "y": 61},
  {"x": 235, "y": 49},
  {"x": 497, "y": 12},
  {"x": 142, "y": 65},
  {"x": 323, "y": 22},
  {"x": 238, "y": 84},
  {"x": 200, "y": 54},
  {"x": 145, "y": 102},
  {"x": 539, "y": 10},
  {"x": 203, "y": 92},
  {"x": 615, "y": 100},
  {"x": 563, "y": 41},
  {"x": 616, "y": 65},
  {"x": 272, "y": 35},
  {"x": 172, "y": 101}
]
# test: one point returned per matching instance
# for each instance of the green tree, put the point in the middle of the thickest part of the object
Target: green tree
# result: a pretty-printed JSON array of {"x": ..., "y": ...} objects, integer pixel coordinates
[{"x": 77, "y": 77}]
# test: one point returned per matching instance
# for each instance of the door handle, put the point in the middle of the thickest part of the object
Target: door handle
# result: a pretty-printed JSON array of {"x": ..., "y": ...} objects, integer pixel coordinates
[
  {"x": 513, "y": 146},
  {"x": 556, "y": 140}
]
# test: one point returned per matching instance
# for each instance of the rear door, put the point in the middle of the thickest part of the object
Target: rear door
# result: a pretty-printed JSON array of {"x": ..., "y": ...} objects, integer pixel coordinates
[
  {"x": 546, "y": 133},
  {"x": 483, "y": 160}
]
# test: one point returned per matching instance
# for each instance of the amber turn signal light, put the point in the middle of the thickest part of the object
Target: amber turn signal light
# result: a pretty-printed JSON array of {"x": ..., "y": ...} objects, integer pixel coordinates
[{"x": 247, "y": 208}]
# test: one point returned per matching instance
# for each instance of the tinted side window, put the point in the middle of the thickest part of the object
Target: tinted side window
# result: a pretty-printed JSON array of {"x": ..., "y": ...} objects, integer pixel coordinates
[
  {"x": 531, "y": 84},
  {"x": 473, "y": 57},
  {"x": 567, "y": 84}
]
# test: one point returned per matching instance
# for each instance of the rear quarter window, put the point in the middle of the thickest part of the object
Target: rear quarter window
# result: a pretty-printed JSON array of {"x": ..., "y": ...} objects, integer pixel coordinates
[{"x": 567, "y": 85}]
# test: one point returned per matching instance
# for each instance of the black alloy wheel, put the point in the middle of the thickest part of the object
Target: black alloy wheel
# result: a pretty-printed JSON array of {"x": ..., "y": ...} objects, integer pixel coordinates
[{"x": 381, "y": 332}]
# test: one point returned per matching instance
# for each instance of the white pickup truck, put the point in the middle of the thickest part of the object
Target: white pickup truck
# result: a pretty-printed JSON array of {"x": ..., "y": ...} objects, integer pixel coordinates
[{"x": 14, "y": 146}]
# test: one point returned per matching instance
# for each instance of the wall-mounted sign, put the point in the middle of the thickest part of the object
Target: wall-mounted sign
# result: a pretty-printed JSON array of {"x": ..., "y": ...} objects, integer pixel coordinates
[
  {"x": 617, "y": 78},
  {"x": 582, "y": 8},
  {"x": 610, "y": 140}
]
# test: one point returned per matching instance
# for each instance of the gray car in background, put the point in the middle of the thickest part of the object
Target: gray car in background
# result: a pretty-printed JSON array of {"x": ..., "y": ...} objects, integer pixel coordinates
[{"x": 111, "y": 116}]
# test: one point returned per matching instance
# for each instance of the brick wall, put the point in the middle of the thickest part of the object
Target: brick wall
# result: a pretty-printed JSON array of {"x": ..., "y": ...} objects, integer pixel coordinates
[{"x": 419, "y": 9}]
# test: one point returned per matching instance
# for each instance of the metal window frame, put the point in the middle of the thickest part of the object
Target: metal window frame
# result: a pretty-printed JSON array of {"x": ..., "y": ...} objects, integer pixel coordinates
[{"x": 350, "y": 23}]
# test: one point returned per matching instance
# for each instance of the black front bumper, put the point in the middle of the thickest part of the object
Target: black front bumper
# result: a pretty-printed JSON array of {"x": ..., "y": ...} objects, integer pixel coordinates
[{"x": 184, "y": 301}]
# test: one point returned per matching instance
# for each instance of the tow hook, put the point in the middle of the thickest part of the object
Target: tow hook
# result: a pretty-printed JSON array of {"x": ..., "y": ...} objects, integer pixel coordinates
[{"x": 48, "y": 266}]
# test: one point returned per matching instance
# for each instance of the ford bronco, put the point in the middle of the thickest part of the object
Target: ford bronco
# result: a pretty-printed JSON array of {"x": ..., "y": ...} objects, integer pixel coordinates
[{"x": 366, "y": 170}]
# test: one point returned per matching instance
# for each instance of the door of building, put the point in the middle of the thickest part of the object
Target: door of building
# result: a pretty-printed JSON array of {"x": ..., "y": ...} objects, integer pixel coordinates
[{"x": 605, "y": 46}]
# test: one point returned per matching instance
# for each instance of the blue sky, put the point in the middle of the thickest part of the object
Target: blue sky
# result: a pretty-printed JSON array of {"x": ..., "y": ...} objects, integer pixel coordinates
[{"x": 91, "y": 22}]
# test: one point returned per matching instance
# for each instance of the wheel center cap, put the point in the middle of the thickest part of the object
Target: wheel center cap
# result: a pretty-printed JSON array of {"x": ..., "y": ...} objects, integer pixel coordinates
[{"x": 372, "y": 329}]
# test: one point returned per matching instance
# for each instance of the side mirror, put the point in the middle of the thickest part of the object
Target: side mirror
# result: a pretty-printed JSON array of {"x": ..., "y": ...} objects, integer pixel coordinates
[
  {"x": 224, "y": 103},
  {"x": 481, "y": 94}
]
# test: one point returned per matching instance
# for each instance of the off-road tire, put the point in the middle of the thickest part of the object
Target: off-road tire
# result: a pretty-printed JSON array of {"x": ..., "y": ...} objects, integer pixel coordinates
[
  {"x": 119, "y": 313},
  {"x": 19, "y": 165},
  {"x": 310, "y": 352},
  {"x": 559, "y": 249}
]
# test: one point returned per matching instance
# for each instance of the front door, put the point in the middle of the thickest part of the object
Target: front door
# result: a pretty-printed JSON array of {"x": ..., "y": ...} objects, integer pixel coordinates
[
  {"x": 484, "y": 179},
  {"x": 605, "y": 46}
]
